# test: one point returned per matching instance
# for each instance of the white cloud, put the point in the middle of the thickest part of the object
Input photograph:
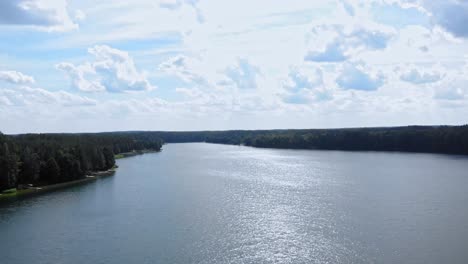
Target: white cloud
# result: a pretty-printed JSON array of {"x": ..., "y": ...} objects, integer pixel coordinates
[
  {"x": 250, "y": 64},
  {"x": 305, "y": 85},
  {"x": 42, "y": 14},
  {"x": 355, "y": 76},
  {"x": 345, "y": 44},
  {"x": 302, "y": 79},
  {"x": 243, "y": 74},
  {"x": 453, "y": 88},
  {"x": 333, "y": 52},
  {"x": 417, "y": 77},
  {"x": 452, "y": 15},
  {"x": 77, "y": 77},
  {"x": 27, "y": 96},
  {"x": 16, "y": 77},
  {"x": 176, "y": 4},
  {"x": 182, "y": 67},
  {"x": 113, "y": 70}
]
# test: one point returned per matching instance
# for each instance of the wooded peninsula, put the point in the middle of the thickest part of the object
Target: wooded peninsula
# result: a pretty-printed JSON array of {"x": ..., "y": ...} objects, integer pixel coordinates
[{"x": 43, "y": 159}]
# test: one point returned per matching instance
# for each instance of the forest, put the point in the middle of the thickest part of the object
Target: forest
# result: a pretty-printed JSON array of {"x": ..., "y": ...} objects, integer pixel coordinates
[
  {"x": 42, "y": 159},
  {"x": 426, "y": 139}
]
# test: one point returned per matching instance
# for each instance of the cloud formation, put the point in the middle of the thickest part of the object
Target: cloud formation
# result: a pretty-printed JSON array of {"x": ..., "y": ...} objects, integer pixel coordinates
[
  {"x": 48, "y": 15},
  {"x": 176, "y": 4},
  {"x": 305, "y": 85},
  {"x": 16, "y": 77},
  {"x": 355, "y": 77},
  {"x": 417, "y": 77},
  {"x": 113, "y": 70},
  {"x": 333, "y": 52},
  {"x": 243, "y": 74},
  {"x": 300, "y": 79},
  {"x": 27, "y": 96},
  {"x": 180, "y": 66},
  {"x": 452, "y": 15},
  {"x": 250, "y": 64},
  {"x": 345, "y": 44}
]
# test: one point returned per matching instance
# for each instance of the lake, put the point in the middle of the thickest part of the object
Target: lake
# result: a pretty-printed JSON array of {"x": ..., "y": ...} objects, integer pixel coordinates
[{"x": 208, "y": 203}]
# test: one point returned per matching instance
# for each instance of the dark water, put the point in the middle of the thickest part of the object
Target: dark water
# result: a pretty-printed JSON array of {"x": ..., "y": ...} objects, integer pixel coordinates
[{"x": 205, "y": 203}]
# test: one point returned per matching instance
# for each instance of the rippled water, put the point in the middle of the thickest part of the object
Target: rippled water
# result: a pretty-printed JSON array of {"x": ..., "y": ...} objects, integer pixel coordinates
[{"x": 206, "y": 203}]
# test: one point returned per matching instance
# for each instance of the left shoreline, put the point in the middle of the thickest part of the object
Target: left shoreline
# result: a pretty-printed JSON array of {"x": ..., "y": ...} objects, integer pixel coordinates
[
  {"x": 93, "y": 176},
  {"x": 52, "y": 187}
]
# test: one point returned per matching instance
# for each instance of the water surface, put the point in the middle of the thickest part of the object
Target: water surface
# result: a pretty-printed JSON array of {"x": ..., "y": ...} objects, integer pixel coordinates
[{"x": 207, "y": 203}]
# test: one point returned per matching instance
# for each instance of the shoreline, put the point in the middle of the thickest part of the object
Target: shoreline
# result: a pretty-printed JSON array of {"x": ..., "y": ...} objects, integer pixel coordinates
[
  {"x": 6, "y": 197},
  {"x": 91, "y": 177},
  {"x": 134, "y": 153}
]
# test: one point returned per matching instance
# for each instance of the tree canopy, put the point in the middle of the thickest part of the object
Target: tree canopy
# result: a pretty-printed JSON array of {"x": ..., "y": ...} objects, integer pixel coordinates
[{"x": 52, "y": 158}]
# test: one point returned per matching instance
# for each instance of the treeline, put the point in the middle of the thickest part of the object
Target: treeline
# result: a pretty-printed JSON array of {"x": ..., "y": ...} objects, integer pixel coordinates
[
  {"x": 448, "y": 140},
  {"x": 52, "y": 158},
  {"x": 429, "y": 139},
  {"x": 42, "y": 159}
]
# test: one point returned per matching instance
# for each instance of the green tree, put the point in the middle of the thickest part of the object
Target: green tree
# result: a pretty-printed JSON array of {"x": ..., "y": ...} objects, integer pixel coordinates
[
  {"x": 108, "y": 157},
  {"x": 8, "y": 167},
  {"x": 51, "y": 171},
  {"x": 30, "y": 167}
]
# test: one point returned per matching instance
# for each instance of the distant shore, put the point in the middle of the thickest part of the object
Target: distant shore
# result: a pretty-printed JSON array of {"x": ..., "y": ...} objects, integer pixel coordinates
[{"x": 134, "y": 153}]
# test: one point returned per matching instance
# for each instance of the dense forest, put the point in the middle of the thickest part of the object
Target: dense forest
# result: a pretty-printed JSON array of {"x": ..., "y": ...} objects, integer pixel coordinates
[
  {"x": 51, "y": 158},
  {"x": 42, "y": 159},
  {"x": 429, "y": 139}
]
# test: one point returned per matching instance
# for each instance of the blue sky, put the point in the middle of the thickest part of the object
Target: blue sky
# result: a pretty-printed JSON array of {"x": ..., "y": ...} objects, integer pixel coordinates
[{"x": 83, "y": 66}]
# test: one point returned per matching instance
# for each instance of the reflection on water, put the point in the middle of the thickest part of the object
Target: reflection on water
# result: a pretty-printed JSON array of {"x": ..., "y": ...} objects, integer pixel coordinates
[{"x": 206, "y": 203}]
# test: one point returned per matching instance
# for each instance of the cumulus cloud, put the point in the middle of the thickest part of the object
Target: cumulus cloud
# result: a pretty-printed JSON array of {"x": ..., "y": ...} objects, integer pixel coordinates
[
  {"x": 77, "y": 77},
  {"x": 305, "y": 85},
  {"x": 113, "y": 70},
  {"x": 181, "y": 67},
  {"x": 357, "y": 77},
  {"x": 48, "y": 15},
  {"x": 300, "y": 79},
  {"x": 243, "y": 75},
  {"x": 452, "y": 15},
  {"x": 176, "y": 4},
  {"x": 333, "y": 52},
  {"x": 344, "y": 44},
  {"x": 16, "y": 77},
  {"x": 371, "y": 39},
  {"x": 415, "y": 76}
]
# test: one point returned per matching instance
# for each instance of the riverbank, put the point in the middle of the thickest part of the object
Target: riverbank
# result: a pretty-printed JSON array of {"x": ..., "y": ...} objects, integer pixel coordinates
[
  {"x": 13, "y": 194},
  {"x": 134, "y": 153}
]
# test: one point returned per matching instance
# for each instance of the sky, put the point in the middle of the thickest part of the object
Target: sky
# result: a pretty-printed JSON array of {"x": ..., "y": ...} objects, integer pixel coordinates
[{"x": 113, "y": 65}]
